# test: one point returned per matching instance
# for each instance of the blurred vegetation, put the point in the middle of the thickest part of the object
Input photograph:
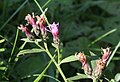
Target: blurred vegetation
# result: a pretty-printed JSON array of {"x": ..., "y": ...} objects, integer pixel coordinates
[{"x": 85, "y": 25}]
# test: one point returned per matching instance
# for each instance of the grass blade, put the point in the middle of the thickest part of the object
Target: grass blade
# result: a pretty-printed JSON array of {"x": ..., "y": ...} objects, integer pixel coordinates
[{"x": 113, "y": 53}]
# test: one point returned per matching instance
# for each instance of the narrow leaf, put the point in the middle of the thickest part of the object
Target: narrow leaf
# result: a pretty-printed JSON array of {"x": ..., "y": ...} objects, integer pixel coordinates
[
  {"x": 101, "y": 37},
  {"x": 2, "y": 40},
  {"x": 113, "y": 53},
  {"x": 2, "y": 49},
  {"x": 28, "y": 51},
  {"x": 2, "y": 68},
  {"x": 77, "y": 77},
  {"x": 27, "y": 40},
  {"x": 117, "y": 77},
  {"x": 69, "y": 59}
]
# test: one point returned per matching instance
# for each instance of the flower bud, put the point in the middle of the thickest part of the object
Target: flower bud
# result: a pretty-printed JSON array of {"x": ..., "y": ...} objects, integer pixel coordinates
[
  {"x": 82, "y": 58},
  {"x": 105, "y": 54},
  {"x": 26, "y": 31},
  {"x": 54, "y": 30},
  {"x": 32, "y": 22},
  {"x": 41, "y": 21}
]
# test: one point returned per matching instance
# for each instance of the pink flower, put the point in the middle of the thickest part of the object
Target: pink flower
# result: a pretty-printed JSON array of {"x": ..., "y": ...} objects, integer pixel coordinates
[
  {"x": 31, "y": 21},
  {"x": 41, "y": 21},
  {"x": 82, "y": 58},
  {"x": 26, "y": 31},
  {"x": 54, "y": 30},
  {"x": 106, "y": 53}
]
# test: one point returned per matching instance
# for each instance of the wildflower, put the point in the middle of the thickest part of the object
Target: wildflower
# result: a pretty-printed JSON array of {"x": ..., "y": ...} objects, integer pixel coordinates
[
  {"x": 106, "y": 53},
  {"x": 82, "y": 58},
  {"x": 99, "y": 69},
  {"x": 41, "y": 21},
  {"x": 32, "y": 22},
  {"x": 26, "y": 31},
  {"x": 54, "y": 30},
  {"x": 101, "y": 63}
]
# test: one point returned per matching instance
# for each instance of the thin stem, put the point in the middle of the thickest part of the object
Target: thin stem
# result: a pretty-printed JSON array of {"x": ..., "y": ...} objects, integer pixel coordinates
[
  {"x": 13, "y": 15},
  {"x": 9, "y": 60},
  {"x": 58, "y": 67},
  {"x": 43, "y": 72},
  {"x": 104, "y": 35},
  {"x": 39, "y": 45},
  {"x": 41, "y": 11},
  {"x": 94, "y": 80},
  {"x": 113, "y": 53},
  {"x": 13, "y": 50},
  {"x": 46, "y": 3},
  {"x": 58, "y": 50},
  {"x": 13, "y": 46}
]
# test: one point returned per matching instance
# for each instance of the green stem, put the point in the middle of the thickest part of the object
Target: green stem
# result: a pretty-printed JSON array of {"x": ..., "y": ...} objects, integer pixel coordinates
[
  {"x": 42, "y": 11},
  {"x": 59, "y": 58},
  {"x": 104, "y": 35},
  {"x": 113, "y": 53},
  {"x": 94, "y": 80},
  {"x": 9, "y": 60},
  {"x": 43, "y": 72},
  {"x": 13, "y": 46},
  {"x": 58, "y": 67},
  {"x": 13, "y": 15}
]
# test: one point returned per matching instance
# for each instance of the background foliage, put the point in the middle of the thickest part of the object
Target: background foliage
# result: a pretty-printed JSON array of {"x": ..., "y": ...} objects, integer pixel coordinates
[{"x": 85, "y": 25}]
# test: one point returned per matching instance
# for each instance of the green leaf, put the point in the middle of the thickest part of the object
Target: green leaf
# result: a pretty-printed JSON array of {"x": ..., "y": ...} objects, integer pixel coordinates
[
  {"x": 28, "y": 51},
  {"x": 30, "y": 66},
  {"x": 2, "y": 68},
  {"x": 79, "y": 76},
  {"x": 2, "y": 40},
  {"x": 54, "y": 45},
  {"x": 69, "y": 59},
  {"x": 117, "y": 77},
  {"x": 93, "y": 60},
  {"x": 2, "y": 49},
  {"x": 27, "y": 40}
]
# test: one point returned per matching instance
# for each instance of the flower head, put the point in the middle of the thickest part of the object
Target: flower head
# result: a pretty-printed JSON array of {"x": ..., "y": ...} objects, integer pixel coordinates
[
  {"x": 31, "y": 20},
  {"x": 54, "y": 30},
  {"x": 26, "y": 31},
  {"x": 41, "y": 21},
  {"x": 82, "y": 58},
  {"x": 106, "y": 53}
]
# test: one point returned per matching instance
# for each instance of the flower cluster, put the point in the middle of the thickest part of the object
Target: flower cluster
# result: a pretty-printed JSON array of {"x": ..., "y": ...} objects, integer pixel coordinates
[
  {"x": 39, "y": 27},
  {"x": 100, "y": 63}
]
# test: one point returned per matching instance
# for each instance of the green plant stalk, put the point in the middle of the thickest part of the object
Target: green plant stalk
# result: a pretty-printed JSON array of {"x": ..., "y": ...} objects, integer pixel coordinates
[
  {"x": 94, "y": 80},
  {"x": 58, "y": 67},
  {"x": 47, "y": 51},
  {"x": 11, "y": 52},
  {"x": 58, "y": 54},
  {"x": 46, "y": 3},
  {"x": 42, "y": 10},
  {"x": 51, "y": 78},
  {"x": 59, "y": 58},
  {"x": 43, "y": 72},
  {"x": 13, "y": 46},
  {"x": 13, "y": 15},
  {"x": 99, "y": 38},
  {"x": 113, "y": 53}
]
